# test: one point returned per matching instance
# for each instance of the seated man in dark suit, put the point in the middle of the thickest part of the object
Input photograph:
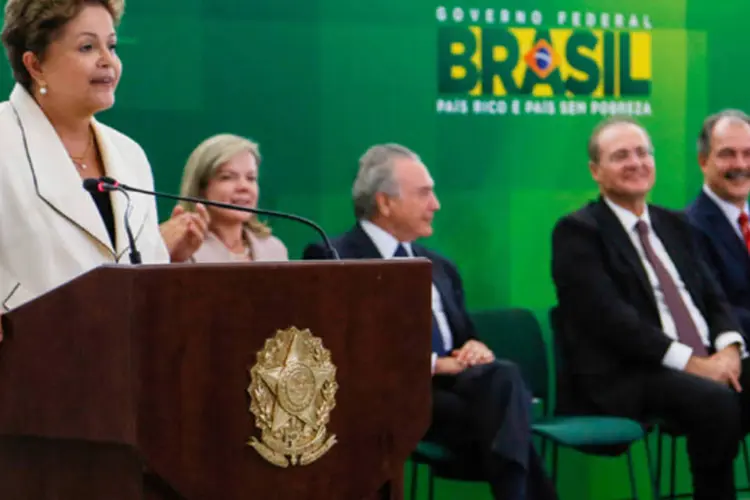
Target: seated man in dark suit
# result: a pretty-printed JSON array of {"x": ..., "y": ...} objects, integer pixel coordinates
[
  {"x": 480, "y": 406},
  {"x": 646, "y": 330},
  {"x": 720, "y": 213}
]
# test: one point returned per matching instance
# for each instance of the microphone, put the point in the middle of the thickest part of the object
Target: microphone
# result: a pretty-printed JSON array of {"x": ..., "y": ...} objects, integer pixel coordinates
[
  {"x": 92, "y": 186},
  {"x": 109, "y": 184}
]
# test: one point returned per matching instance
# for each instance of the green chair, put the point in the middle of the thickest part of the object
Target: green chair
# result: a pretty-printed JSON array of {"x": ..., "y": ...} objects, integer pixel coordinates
[{"x": 516, "y": 334}]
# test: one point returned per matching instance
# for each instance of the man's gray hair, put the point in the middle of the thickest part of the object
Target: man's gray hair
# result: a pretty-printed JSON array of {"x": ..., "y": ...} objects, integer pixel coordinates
[
  {"x": 707, "y": 130},
  {"x": 376, "y": 176}
]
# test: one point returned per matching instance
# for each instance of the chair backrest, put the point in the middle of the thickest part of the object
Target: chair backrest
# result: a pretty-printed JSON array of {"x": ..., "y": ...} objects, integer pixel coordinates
[{"x": 515, "y": 334}]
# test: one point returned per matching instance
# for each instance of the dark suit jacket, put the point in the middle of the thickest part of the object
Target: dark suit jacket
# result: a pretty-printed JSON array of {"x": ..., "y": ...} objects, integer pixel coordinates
[
  {"x": 725, "y": 253},
  {"x": 355, "y": 244},
  {"x": 608, "y": 318},
  {"x": 455, "y": 422}
]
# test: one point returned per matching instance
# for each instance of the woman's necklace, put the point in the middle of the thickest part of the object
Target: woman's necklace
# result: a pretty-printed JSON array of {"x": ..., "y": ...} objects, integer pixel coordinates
[
  {"x": 79, "y": 160},
  {"x": 245, "y": 252}
]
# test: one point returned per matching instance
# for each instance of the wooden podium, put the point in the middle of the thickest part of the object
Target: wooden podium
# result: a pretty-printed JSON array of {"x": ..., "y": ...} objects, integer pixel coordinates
[{"x": 132, "y": 382}]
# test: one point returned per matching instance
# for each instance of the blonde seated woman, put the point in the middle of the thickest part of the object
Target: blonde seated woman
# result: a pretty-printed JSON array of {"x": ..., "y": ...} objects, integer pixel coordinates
[{"x": 224, "y": 168}]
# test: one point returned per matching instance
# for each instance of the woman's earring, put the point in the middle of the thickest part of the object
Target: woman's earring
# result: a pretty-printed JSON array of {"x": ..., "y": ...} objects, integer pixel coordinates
[{"x": 43, "y": 90}]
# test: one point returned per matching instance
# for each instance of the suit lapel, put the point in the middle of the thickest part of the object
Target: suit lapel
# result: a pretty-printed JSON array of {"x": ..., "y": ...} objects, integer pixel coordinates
[
  {"x": 363, "y": 246},
  {"x": 618, "y": 240},
  {"x": 451, "y": 308},
  {"x": 441, "y": 282},
  {"x": 55, "y": 177},
  {"x": 718, "y": 224},
  {"x": 116, "y": 167}
]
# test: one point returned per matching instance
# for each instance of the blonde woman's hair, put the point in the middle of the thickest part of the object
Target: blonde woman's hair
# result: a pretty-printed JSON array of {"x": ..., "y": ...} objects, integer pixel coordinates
[{"x": 206, "y": 159}]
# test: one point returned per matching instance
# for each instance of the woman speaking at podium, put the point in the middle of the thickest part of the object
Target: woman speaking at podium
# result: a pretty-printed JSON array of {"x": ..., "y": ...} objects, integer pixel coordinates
[{"x": 64, "y": 60}]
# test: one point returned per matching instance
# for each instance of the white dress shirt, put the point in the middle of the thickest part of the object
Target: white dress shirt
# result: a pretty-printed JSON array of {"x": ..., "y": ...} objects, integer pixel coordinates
[
  {"x": 678, "y": 354},
  {"x": 387, "y": 245},
  {"x": 731, "y": 212}
]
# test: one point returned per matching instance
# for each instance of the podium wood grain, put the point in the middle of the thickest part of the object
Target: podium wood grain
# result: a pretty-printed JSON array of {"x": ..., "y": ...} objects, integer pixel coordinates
[{"x": 154, "y": 376}]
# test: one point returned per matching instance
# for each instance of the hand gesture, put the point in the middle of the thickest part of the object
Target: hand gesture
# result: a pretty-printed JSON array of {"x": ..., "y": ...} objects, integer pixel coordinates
[
  {"x": 184, "y": 232},
  {"x": 448, "y": 366},
  {"x": 717, "y": 368},
  {"x": 473, "y": 353}
]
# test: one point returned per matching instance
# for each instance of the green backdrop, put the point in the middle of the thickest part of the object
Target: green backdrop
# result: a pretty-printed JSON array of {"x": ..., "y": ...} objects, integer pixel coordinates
[{"x": 317, "y": 82}]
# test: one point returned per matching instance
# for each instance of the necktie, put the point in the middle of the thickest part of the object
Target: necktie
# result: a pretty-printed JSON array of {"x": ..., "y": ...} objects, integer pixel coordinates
[
  {"x": 687, "y": 333},
  {"x": 438, "y": 345},
  {"x": 400, "y": 251},
  {"x": 744, "y": 222}
]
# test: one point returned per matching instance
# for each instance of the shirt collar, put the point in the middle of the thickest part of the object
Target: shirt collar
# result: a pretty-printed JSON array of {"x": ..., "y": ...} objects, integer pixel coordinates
[
  {"x": 627, "y": 218},
  {"x": 383, "y": 240},
  {"x": 730, "y": 211}
]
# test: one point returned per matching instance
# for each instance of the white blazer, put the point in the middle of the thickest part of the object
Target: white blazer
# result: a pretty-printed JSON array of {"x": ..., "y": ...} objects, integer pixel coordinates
[{"x": 50, "y": 228}]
